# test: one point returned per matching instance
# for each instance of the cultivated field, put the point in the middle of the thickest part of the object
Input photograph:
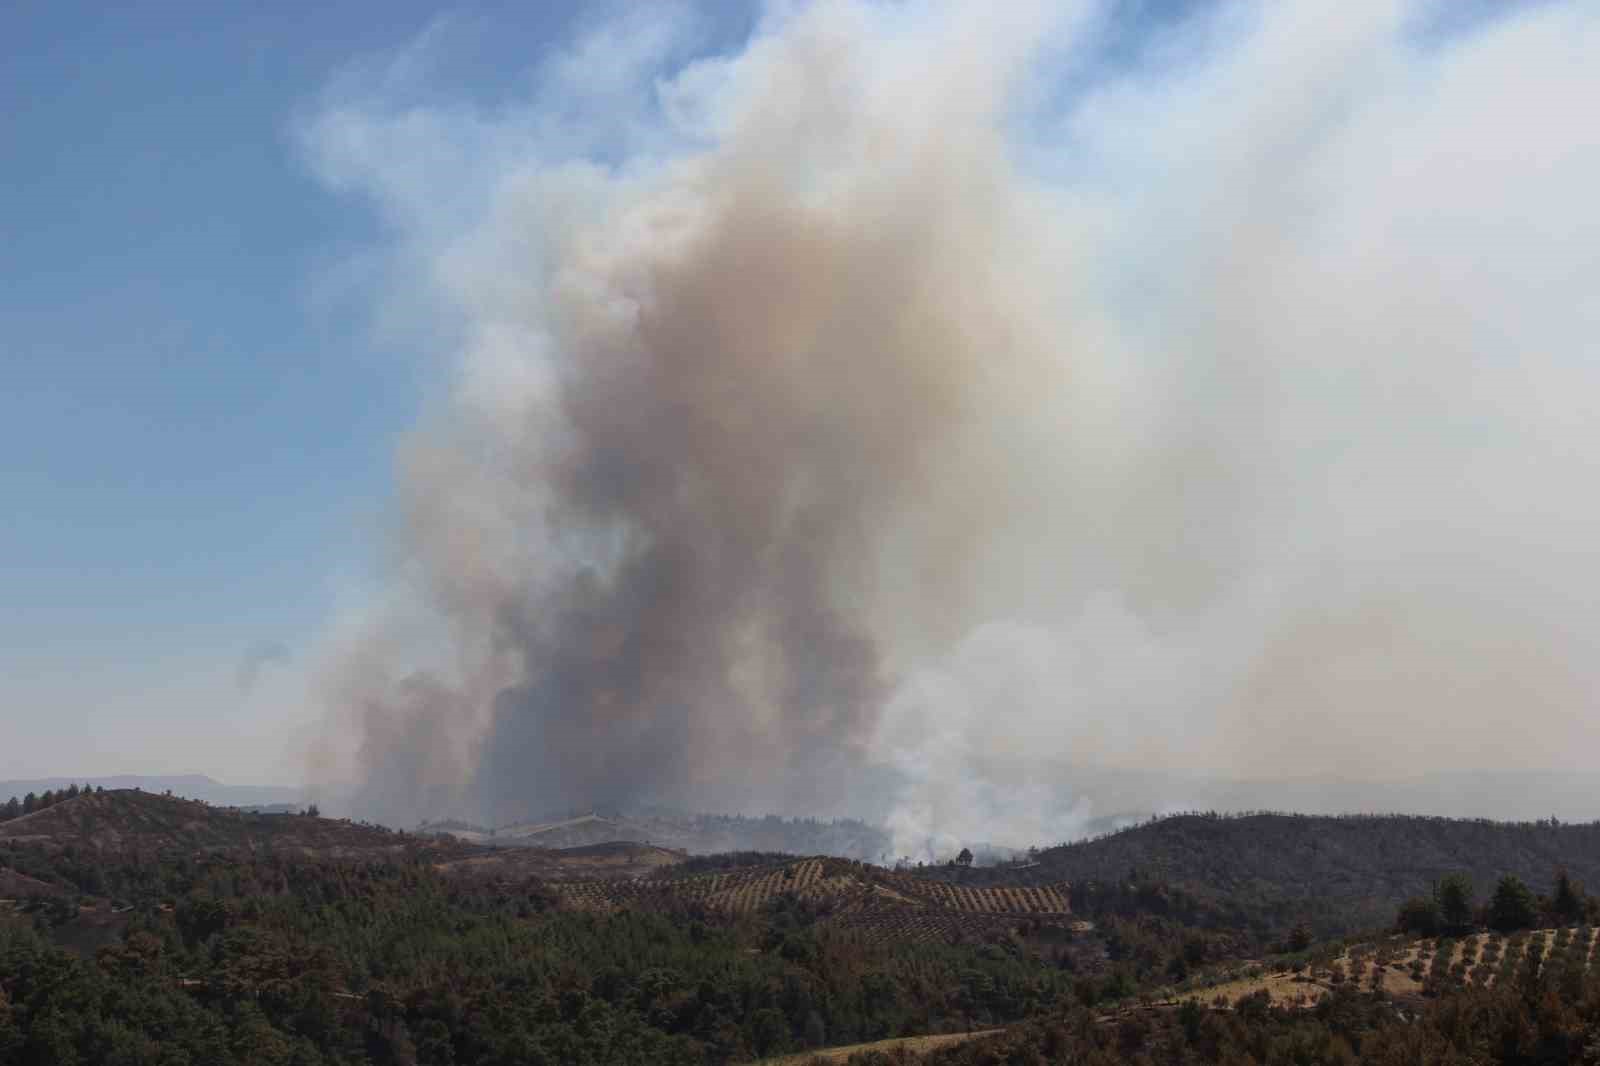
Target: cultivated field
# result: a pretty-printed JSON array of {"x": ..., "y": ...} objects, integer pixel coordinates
[
  {"x": 619, "y": 860},
  {"x": 882, "y": 904},
  {"x": 1413, "y": 968}
]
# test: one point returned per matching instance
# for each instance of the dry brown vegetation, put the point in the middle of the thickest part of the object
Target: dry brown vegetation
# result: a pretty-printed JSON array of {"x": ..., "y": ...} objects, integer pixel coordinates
[{"x": 613, "y": 861}]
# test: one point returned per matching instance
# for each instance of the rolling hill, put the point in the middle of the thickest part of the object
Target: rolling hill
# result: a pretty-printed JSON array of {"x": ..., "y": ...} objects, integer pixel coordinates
[
  {"x": 130, "y": 824},
  {"x": 1342, "y": 873},
  {"x": 189, "y": 786},
  {"x": 1264, "y": 872},
  {"x": 135, "y": 823},
  {"x": 696, "y": 834}
]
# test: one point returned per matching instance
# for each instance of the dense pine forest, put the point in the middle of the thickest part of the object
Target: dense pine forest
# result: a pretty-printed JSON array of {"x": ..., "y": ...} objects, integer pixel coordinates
[{"x": 285, "y": 962}]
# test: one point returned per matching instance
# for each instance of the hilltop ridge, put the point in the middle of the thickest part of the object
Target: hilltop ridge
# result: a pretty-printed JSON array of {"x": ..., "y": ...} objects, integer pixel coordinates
[
  {"x": 131, "y": 822},
  {"x": 1347, "y": 872}
]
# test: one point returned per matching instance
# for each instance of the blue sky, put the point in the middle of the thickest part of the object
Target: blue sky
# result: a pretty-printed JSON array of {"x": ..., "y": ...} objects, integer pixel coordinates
[{"x": 197, "y": 417}]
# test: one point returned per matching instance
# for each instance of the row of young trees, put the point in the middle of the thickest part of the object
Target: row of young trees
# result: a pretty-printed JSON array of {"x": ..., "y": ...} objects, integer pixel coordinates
[
  {"x": 16, "y": 808},
  {"x": 1453, "y": 909},
  {"x": 1544, "y": 1016}
]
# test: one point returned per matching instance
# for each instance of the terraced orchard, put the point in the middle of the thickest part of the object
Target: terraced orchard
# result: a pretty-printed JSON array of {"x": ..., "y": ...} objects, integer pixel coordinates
[
  {"x": 1421, "y": 967},
  {"x": 880, "y": 903}
]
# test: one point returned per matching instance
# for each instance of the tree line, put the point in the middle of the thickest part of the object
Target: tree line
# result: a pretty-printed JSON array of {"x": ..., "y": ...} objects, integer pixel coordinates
[
  {"x": 1452, "y": 908},
  {"x": 16, "y": 808}
]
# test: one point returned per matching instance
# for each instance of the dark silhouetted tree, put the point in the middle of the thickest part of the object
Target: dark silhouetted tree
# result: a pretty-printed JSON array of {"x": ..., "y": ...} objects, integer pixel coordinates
[
  {"x": 815, "y": 1032},
  {"x": 1419, "y": 916},
  {"x": 1513, "y": 906},
  {"x": 1567, "y": 901},
  {"x": 769, "y": 1031},
  {"x": 1454, "y": 894}
]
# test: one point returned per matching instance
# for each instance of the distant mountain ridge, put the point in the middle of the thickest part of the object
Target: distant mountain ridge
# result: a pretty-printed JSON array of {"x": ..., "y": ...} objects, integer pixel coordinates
[
  {"x": 188, "y": 786},
  {"x": 1118, "y": 796},
  {"x": 698, "y": 834}
]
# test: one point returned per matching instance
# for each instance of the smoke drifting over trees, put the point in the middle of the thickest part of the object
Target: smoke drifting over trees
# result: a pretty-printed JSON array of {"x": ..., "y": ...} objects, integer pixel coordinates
[{"x": 877, "y": 415}]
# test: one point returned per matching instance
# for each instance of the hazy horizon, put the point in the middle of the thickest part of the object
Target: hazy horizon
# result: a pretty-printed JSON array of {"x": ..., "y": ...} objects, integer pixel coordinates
[{"x": 1107, "y": 797}]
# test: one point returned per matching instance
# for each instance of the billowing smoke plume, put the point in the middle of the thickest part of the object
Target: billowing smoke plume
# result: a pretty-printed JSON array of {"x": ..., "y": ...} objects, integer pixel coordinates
[{"x": 888, "y": 412}]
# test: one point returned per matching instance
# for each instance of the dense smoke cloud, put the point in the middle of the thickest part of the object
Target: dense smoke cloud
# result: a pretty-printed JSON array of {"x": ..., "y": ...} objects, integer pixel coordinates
[{"x": 886, "y": 413}]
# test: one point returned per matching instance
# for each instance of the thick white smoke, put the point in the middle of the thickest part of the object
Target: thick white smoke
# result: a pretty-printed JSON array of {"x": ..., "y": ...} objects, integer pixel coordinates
[{"x": 918, "y": 399}]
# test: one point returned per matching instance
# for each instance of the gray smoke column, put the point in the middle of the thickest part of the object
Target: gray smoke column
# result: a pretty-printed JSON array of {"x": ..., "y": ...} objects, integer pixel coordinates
[
  {"x": 883, "y": 414},
  {"x": 742, "y": 375}
]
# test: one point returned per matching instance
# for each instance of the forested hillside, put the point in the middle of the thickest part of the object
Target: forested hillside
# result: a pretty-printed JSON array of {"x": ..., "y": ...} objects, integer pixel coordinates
[
  {"x": 128, "y": 822},
  {"x": 143, "y": 929},
  {"x": 1340, "y": 873},
  {"x": 282, "y": 961}
]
